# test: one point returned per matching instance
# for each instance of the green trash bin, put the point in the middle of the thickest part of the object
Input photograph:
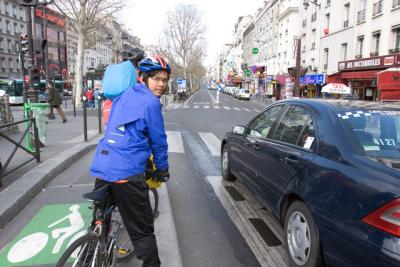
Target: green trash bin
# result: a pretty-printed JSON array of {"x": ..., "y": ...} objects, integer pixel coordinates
[{"x": 40, "y": 112}]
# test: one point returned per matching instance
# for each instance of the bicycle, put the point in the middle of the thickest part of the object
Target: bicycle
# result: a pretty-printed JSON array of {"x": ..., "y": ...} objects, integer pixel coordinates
[{"x": 99, "y": 247}]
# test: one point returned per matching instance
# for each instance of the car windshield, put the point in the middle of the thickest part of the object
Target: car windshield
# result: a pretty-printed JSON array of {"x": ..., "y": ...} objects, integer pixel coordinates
[
  {"x": 247, "y": 91},
  {"x": 377, "y": 131}
]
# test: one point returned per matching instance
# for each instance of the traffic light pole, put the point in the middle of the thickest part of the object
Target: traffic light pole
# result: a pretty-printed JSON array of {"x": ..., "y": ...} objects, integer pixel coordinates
[
  {"x": 31, "y": 93},
  {"x": 297, "y": 74}
]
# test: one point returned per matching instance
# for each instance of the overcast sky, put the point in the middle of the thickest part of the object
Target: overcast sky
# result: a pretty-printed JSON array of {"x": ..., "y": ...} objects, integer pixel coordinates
[{"x": 145, "y": 18}]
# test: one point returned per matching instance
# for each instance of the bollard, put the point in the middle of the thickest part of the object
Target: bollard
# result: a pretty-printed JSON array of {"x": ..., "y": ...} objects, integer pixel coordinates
[
  {"x": 37, "y": 141},
  {"x": 99, "y": 113},
  {"x": 73, "y": 103},
  {"x": 84, "y": 119}
]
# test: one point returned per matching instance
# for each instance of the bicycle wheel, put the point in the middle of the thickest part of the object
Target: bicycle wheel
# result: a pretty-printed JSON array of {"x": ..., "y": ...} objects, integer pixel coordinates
[
  {"x": 154, "y": 202},
  {"x": 84, "y": 252}
]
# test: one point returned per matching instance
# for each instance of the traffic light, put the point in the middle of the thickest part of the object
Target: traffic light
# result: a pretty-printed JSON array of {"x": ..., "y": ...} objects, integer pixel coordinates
[
  {"x": 35, "y": 78},
  {"x": 24, "y": 43},
  {"x": 28, "y": 2}
]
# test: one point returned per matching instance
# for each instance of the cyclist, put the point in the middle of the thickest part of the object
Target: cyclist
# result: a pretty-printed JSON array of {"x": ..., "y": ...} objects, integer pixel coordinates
[{"x": 135, "y": 130}]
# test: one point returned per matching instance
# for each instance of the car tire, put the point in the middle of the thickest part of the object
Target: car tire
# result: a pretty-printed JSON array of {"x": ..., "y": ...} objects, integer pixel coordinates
[
  {"x": 225, "y": 165},
  {"x": 302, "y": 242}
]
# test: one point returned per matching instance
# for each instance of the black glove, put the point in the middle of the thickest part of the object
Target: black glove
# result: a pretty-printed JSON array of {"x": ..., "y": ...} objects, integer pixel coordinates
[{"x": 161, "y": 175}]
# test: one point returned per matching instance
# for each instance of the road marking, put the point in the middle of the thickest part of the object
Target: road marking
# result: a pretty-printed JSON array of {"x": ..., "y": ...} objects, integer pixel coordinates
[
  {"x": 246, "y": 109},
  {"x": 256, "y": 110},
  {"x": 175, "y": 143},
  {"x": 185, "y": 107},
  {"x": 207, "y": 103},
  {"x": 235, "y": 108},
  {"x": 69, "y": 186},
  {"x": 227, "y": 108},
  {"x": 212, "y": 142},
  {"x": 216, "y": 107},
  {"x": 206, "y": 107},
  {"x": 78, "y": 139},
  {"x": 241, "y": 212},
  {"x": 195, "y": 106}
]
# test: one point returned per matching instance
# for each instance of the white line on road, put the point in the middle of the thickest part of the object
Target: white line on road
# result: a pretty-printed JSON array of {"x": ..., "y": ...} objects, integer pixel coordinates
[
  {"x": 228, "y": 108},
  {"x": 69, "y": 185},
  {"x": 212, "y": 142},
  {"x": 240, "y": 212},
  {"x": 256, "y": 110},
  {"x": 185, "y": 106},
  {"x": 246, "y": 109},
  {"x": 175, "y": 143},
  {"x": 206, "y": 106},
  {"x": 235, "y": 108},
  {"x": 195, "y": 106},
  {"x": 216, "y": 107}
]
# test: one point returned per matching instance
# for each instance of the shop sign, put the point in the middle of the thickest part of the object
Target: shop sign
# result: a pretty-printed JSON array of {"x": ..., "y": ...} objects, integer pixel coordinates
[
  {"x": 51, "y": 18},
  {"x": 389, "y": 80},
  {"x": 369, "y": 63},
  {"x": 254, "y": 51},
  {"x": 313, "y": 79},
  {"x": 335, "y": 88}
]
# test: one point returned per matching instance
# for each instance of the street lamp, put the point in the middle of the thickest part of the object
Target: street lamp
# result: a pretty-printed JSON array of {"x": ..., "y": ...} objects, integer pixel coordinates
[{"x": 314, "y": 2}]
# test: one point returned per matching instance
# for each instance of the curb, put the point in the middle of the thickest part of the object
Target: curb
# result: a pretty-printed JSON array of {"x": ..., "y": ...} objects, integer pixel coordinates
[{"x": 15, "y": 197}]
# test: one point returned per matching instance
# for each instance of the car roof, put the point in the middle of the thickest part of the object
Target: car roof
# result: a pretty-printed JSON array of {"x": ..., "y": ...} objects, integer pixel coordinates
[{"x": 336, "y": 104}]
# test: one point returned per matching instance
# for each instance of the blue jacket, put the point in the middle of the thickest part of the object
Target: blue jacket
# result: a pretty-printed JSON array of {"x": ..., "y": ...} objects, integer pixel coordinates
[{"x": 135, "y": 130}]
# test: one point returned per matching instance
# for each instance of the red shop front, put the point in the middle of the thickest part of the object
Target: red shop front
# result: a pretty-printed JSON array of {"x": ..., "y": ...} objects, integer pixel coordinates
[{"x": 361, "y": 75}]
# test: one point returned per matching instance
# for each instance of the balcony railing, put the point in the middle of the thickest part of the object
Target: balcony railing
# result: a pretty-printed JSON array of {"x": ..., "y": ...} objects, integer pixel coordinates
[
  {"x": 358, "y": 56},
  {"x": 345, "y": 23},
  {"x": 377, "y": 9},
  {"x": 394, "y": 50},
  {"x": 314, "y": 17},
  {"x": 396, "y": 3},
  {"x": 361, "y": 16}
]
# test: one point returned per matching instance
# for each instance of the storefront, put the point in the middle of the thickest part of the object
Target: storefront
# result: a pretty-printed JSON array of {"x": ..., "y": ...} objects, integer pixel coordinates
[
  {"x": 312, "y": 84},
  {"x": 361, "y": 75},
  {"x": 389, "y": 84}
]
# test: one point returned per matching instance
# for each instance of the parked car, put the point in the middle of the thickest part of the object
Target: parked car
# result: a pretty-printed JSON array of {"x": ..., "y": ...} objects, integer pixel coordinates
[
  {"x": 330, "y": 172},
  {"x": 244, "y": 94}
]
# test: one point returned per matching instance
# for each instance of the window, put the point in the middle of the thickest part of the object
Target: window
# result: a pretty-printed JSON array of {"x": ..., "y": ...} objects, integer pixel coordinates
[
  {"x": 346, "y": 15},
  {"x": 8, "y": 26},
  {"x": 15, "y": 28},
  {"x": 3, "y": 63},
  {"x": 52, "y": 34},
  {"x": 326, "y": 51},
  {"x": 397, "y": 38},
  {"x": 377, "y": 8},
  {"x": 1, "y": 44},
  {"x": 376, "y": 39},
  {"x": 6, "y": 7},
  {"x": 262, "y": 125},
  {"x": 360, "y": 40},
  {"x": 296, "y": 128},
  {"x": 344, "y": 51},
  {"x": 52, "y": 53},
  {"x": 327, "y": 20},
  {"x": 14, "y": 10},
  {"x": 9, "y": 46},
  {"x": 38, "y": 30}
]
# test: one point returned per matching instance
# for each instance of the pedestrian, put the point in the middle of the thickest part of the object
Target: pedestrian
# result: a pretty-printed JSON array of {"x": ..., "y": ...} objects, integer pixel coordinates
[
  {"x": 90, "y": 98},
  {"x": 135, "y": 130},
  {"x": 54, "y": 100}
]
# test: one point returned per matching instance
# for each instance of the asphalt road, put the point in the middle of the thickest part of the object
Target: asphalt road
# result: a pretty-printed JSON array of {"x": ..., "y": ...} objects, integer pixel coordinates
[{"x": 217, "y": 223}]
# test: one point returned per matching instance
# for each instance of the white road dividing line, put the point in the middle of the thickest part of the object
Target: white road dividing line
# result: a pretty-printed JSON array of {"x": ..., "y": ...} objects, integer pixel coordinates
[
  {"x": 216, "y": 107},
  {"x": 175, "y": 143},
  {"x": 256, "y": 110},
  {"x": 240, "y": 212},
  {"x": 195, "y": 106},
  {"x": 227, "y": 108},
  {"x": 235, "y": 108},
  {"x": 90, "y": 133},
  {"x": 212, "y": 142},
  {"x": 206, "y": 107},
  {"x": 246, "y": 109}
]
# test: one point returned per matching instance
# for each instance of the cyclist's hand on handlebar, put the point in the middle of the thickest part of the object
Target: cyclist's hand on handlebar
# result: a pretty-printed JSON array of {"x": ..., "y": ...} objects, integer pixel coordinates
[{"x": 161, "y": 175}]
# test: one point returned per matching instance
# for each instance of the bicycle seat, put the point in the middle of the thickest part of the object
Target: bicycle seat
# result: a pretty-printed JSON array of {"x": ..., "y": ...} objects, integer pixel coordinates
[{"x": 99, "y": 194}]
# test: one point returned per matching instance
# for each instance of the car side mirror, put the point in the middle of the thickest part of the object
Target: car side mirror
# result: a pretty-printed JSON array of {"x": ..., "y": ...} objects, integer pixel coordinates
[{"x": 239, "y": 129}]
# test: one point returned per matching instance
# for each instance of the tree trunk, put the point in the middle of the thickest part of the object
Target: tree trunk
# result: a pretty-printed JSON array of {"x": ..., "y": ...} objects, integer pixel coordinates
[{"x": 81, "y": 48}]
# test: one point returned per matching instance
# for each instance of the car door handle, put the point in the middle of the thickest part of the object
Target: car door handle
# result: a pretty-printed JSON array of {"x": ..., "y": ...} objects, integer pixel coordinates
[{"x": 290, "y": 160}]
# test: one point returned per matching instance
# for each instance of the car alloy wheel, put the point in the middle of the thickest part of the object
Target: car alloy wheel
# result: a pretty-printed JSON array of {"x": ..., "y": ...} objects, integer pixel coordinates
[
  {"x": 302, "y": 237},
  {"x": 225, "y": 167},
  {"x": 298, "y": 234}
]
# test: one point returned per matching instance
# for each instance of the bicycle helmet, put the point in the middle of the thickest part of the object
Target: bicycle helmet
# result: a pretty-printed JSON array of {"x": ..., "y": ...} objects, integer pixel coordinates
[
  {"x": 133, "y": 54},
  {"x": 154, "y": 63}
]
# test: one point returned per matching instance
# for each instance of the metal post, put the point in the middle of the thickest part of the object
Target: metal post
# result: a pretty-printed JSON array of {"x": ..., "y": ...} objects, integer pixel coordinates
[
  {"x": 73, "y": 104},
  {"x": 46, "y": 62},
  {"x": 297, "y": 75},
  {"x": 99, "y": 113},
  {"x": 37, "y": 144},
  {"x": 84, "y": 119},
  {"x": 31, "y": 93}
]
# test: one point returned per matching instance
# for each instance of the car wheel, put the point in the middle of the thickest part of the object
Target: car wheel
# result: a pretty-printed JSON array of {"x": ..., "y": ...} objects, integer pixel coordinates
[
  {"x": 225, "y": 165},
  {"x": 301, "y": 237}
]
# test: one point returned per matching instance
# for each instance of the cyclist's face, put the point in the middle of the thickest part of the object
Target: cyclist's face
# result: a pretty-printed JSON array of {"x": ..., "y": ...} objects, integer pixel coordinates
[{"x": 158, "y": 83}]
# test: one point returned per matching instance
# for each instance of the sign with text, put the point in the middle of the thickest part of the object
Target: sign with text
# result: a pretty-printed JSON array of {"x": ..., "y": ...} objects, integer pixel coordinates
[
  {"x": 370, "y": 63},
  {"x": 313, "y": 79}
]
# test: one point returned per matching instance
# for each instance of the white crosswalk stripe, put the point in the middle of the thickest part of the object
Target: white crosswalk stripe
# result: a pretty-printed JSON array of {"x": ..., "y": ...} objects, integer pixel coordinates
[
  {"x": 236, "y": 108},
  {"x": 212, "y": 142},
  {"x": 195, "y": 106},
  {"x": 246, "y": 109},
  {"x": 185, "y": 107},
  {"x": 175, "y": 143},
  {"x": 216, "y": 107},
  {"x": 206, "y": 107},
  {"x": 227, "y": 108},
  {"x": 256, "y": 110}
]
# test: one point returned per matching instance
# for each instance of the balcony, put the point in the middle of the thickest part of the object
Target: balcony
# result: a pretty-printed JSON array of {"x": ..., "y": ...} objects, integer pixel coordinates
[
  {"x": 377, "y": 8},
  {"x": 374, "y": 54},
  {"x": 358, "y": 56},
  {"x": 345, "y": 23},
  {"x": 361, "y": 16},
  {"x": 396, "y": 3},
  {"x": 313, "y": 46},
  {"x": 314, "y": 17},
  {"x": 394, "y": 50}
]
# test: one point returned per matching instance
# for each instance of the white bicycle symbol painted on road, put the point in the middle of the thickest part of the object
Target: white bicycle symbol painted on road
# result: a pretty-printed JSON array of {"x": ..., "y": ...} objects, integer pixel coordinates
[{"x": 31, "y": 245}]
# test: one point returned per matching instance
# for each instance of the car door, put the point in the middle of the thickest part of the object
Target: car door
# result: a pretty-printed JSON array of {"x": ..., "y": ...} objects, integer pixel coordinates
[
  {"x": 285, "y": 152},
  {"x": 247, "y": 153}
]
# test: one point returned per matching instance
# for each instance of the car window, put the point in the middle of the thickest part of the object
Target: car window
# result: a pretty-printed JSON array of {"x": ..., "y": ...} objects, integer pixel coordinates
[
  {"x": 296, "y": 127},
  {"x": 261, "y": 126}
]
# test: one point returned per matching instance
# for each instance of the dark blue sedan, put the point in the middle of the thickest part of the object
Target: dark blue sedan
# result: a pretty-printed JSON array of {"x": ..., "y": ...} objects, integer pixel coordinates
[{"x": 330, "y": 172}]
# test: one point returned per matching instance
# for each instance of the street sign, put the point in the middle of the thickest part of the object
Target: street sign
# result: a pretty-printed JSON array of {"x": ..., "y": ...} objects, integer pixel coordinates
[
  {"x": 47, "y": 235},
  {"x": 179, "y": 81},
  {"x": 254, "y": 51}
]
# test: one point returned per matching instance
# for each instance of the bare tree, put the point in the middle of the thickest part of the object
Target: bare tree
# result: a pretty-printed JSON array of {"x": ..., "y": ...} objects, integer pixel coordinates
[
  {"x": 88, "y": 15},
  {"x": 182, "y": 40}
]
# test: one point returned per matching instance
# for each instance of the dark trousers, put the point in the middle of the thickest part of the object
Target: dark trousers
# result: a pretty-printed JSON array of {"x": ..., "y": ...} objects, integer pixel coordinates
[{"x": 133, "y": 202}]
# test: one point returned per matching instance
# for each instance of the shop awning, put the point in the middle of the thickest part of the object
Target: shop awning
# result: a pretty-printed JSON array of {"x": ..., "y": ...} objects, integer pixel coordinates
[{"x": 367, "y": 74}]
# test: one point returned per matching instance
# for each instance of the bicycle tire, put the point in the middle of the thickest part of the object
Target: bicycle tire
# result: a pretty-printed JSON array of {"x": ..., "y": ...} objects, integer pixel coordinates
[
  {"x": 156, "y": 200},
  {"x": 82, "y": 241}
]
